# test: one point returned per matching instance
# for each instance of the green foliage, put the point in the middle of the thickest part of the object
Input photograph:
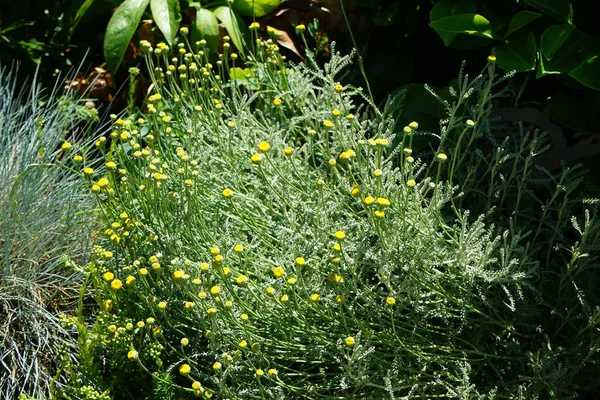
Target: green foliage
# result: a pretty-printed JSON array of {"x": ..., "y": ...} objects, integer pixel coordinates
[
  {"x": 529, "y": 36},
  {"x": 44, "y": 226},
  {"x": 263, "y": 239}
]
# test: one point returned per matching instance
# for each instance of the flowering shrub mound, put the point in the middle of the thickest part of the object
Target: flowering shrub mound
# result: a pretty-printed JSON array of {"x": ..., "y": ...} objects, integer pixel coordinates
[{"x": 264, "y": 239}]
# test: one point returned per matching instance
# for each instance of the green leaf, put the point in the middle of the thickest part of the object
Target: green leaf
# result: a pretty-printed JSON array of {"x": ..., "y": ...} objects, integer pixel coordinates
[
  {"x": 447, "y": 8},
  {"x": 554, "y": 37},
  {"x": 541, "y": 69},
  {"x": 235, "y": 26},
  {"x": 166, "y": 15},
  {"x": 80, "y": 13},
  {"x": 518, "y": 53},
  {"x": 470, "y": 24},
  {"x": 120, "y": 30},
  {"x": 520, "y": 20},
  {"x": 255, "y": 8},
  {"x": 206, "y": 27},
  {"x": 588, "y": 73},
  {"x": 560, "y": 10}
]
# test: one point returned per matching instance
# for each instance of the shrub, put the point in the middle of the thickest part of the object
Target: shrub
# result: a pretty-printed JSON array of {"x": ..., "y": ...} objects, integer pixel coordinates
[
  {"x": 263, "y": 239},
  {"x": 43, "y": 222}
]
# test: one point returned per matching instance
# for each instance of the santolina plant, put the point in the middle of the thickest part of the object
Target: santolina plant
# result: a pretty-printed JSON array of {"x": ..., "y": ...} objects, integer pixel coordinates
[{"x": 264, "y": 239}]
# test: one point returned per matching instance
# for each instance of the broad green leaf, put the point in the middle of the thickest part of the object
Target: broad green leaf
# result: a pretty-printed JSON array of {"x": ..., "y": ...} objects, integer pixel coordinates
[
  {"x": 470, "y": 24},
  {"x": 541, "y": 69},
  {"x": 120, "y": 30},
  {"x": 518, "y": 53},
  {"x": 565, "y": 48},
  {"x": 588, "y": 73},
  {"x": 235, "y": 26},
  {"x": 560, "y": 10},
  {"x": 520, "y": 20},
  {"x": 554, "y": 37},
  {"x": 447, "y": 8},
  {"x": 166, "y": 15},
  {"x": 255, "y": 8},
  {"x": 206, "y": 27},
  {"x": 80, "y": 13}
]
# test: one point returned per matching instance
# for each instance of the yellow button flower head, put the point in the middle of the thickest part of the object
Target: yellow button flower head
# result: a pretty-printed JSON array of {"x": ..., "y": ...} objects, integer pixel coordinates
[
  {"x": 442, "y": 157},
  {"x": 227, "y": 193},
  {"x": 300, "y": 28},
  {"x": 143, "y": 271},
  {"x": 414, "y": 125},
  {"x": 411, "y": 183},
  {"x": 379, "y": 213},
  {"x": 260, "y": 372},
  {"x": 108, "y": 304},
  {"x": 337, "y": 247},
  {"x": 116, "y": 284},
  {"x": 241, "y": 279},
  {"x": 390, "y": 301},
  {"x": 339, "y": 298},
  {"x": 292, "y": 281},
  {"x": 272, "y": 371},
  {"x": 263, "y": 147},
  {"x": 270, "y": 290},
  {"x": 88, "y": 171},
  {"x": 162, "y": 304},
  {"x": 332, "y": 162},
  {"x": 211, "y": 311},
  {"x": 369, "y": 200},
  {"x": 377, "y": 172},
  {"x": 243, "y": 344},
  {"x": 338, "y": 88},
  {"x": 108, "y": 276},
  {"x": 256, "y": 158},
  {"x": 185, "y": 341},
  {"x": 340, "y": 235},
  {"x": 314, "y": 297},
  {"x": 300, "y": 261},
  {"x": 336, "y": 112},
  {"x": 284, "y": 298},
  {"x": 196, "y": 385},
  {"x": 491, "y": 59},
  {"x": 178, "y": 274},
  {"x": 355, "y": 191},
  {"x": 129, "y": 280},
  {"x": 188, "y": 304},
  {"x": 238, "y": 248},
  {"x": 132, "y": 355},
  {"x": 77, "y": 158},
  {"x": 277, "y": 102},
  {"x": 244, "y": 317},
  {"x": 349, "y": 341},
  {"x": 185, "y": 369},
  {"x": 288, "y": 151},
  {"x": 320, "y": 182},
  {"x": 383, "y": 202},
  {"x": 470, "y": 123},
  {"x": 215, "y": 289},
  {"x": 254, "y": 25},
  {"x": 217, "y": 365},
  {"x": 155, "y": 265},
  {"x": 328, "y": 124},
  {"x": 278, "y": 272},
  {"x": 66, "y": 146},
  {"x": 214, "y": 251}
]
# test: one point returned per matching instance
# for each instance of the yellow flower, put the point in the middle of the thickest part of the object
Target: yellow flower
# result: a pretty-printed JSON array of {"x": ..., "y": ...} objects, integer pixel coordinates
[
  {"x": 109, "y": 276},
  {"x": 149, "y": 320},
  {"x": 238, "y": 248},
  {"x": 203, "y": 266},
  {"x": 241, "y": 279},
  {"x": 278, "y": 272},
  {"x": 129, "y": 326},
  {"x": 227, "y": 193},
  {"x": 226, "y": 271},
  {"x": 116, "y": 284},
  {"x": 355, "y": 191},
  {"x": 414, "y": 125},
  {"x": 263, "y": 147},
  {"x": 231, "y": 124},
  {"x": 411, "y": 183},
  {"x": 108, "y": 304},
  {"x": 140, "y": 324},
  {"x": 327, "y": 124},
  {"x": 244, "y": 317},
  {"x": 254, "y": 25},
  {"x": 379, "y": 214},
  {"x": 288, "y": 151},
  {"x": 228, "y": 303},
  {"x": 442, "y": 157},
  {"x": 300, "y": 28},
  {"x": 470, "y": 123},
  {"x": 143, "y": 271},
  {"x": 178, "y": 274},
  {"x": 408, "y": 130},
  {"x": 112, "y": 328},
  {"x": 338, "y": 88},
  {"x": 88, "y": 171},
  {"x": 217, "y": 365},
  {"x": 77, "y": 158},
  {"x": 260, "y": 372},
  {"x": 337, "y": 247},
  {"x": 391, "y": 301},
  {"x": 340, "y": 235},
  {"x": 132, "y": 355},
  {"x": 215, "y": 289},
  {"x": 277, "y": 102},
  {"x": 196, "y": 385},
  {"x": 272, "y": 371},
  {"x": 377, "y": 172},
  {"x": 270, "y": 290},
  {"x": 185, "y": 341},
  {"x": 256, "y": 158},
  {"x": 369, "y": 200},
  {"x": 66, "y": 146},
  {"x": 162, "y": 304},
  {"x": 292, "y": 281},
  {"x": 129, "y": 280},
  {"x": 300, "y": 261},
  {"x": 339, "y": 298},
  {"x": 314, "y": 297},
  {"x": 336, "y": 112},
  {"x": 349, "y": 341},
  {"x": 188, "y": 305},
  {"x": 491, "y": 59},
  {"x": 211, "y": 311},
  {"x": 243, "y": 344},
  {"x": 214, "y": 251},
  {"x": 103, "y": 182},
  {"x": 166, "y": 118},
  {"x": 285, "y": 298},
  {"x": 155, "y": 265},
  {"x": 383, "y": 202},
  {"x": 320, "y": 182},
  {"x": 202, "y": 295},
  {"x": 208, "y": 394},
  {"x": 185, "y": 369}
]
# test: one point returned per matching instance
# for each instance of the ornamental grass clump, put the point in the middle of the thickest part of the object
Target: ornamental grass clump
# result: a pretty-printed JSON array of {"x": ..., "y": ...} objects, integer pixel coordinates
[
  {"x": 264, "y": 239},
  {"x": 44, "y": 222}
]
